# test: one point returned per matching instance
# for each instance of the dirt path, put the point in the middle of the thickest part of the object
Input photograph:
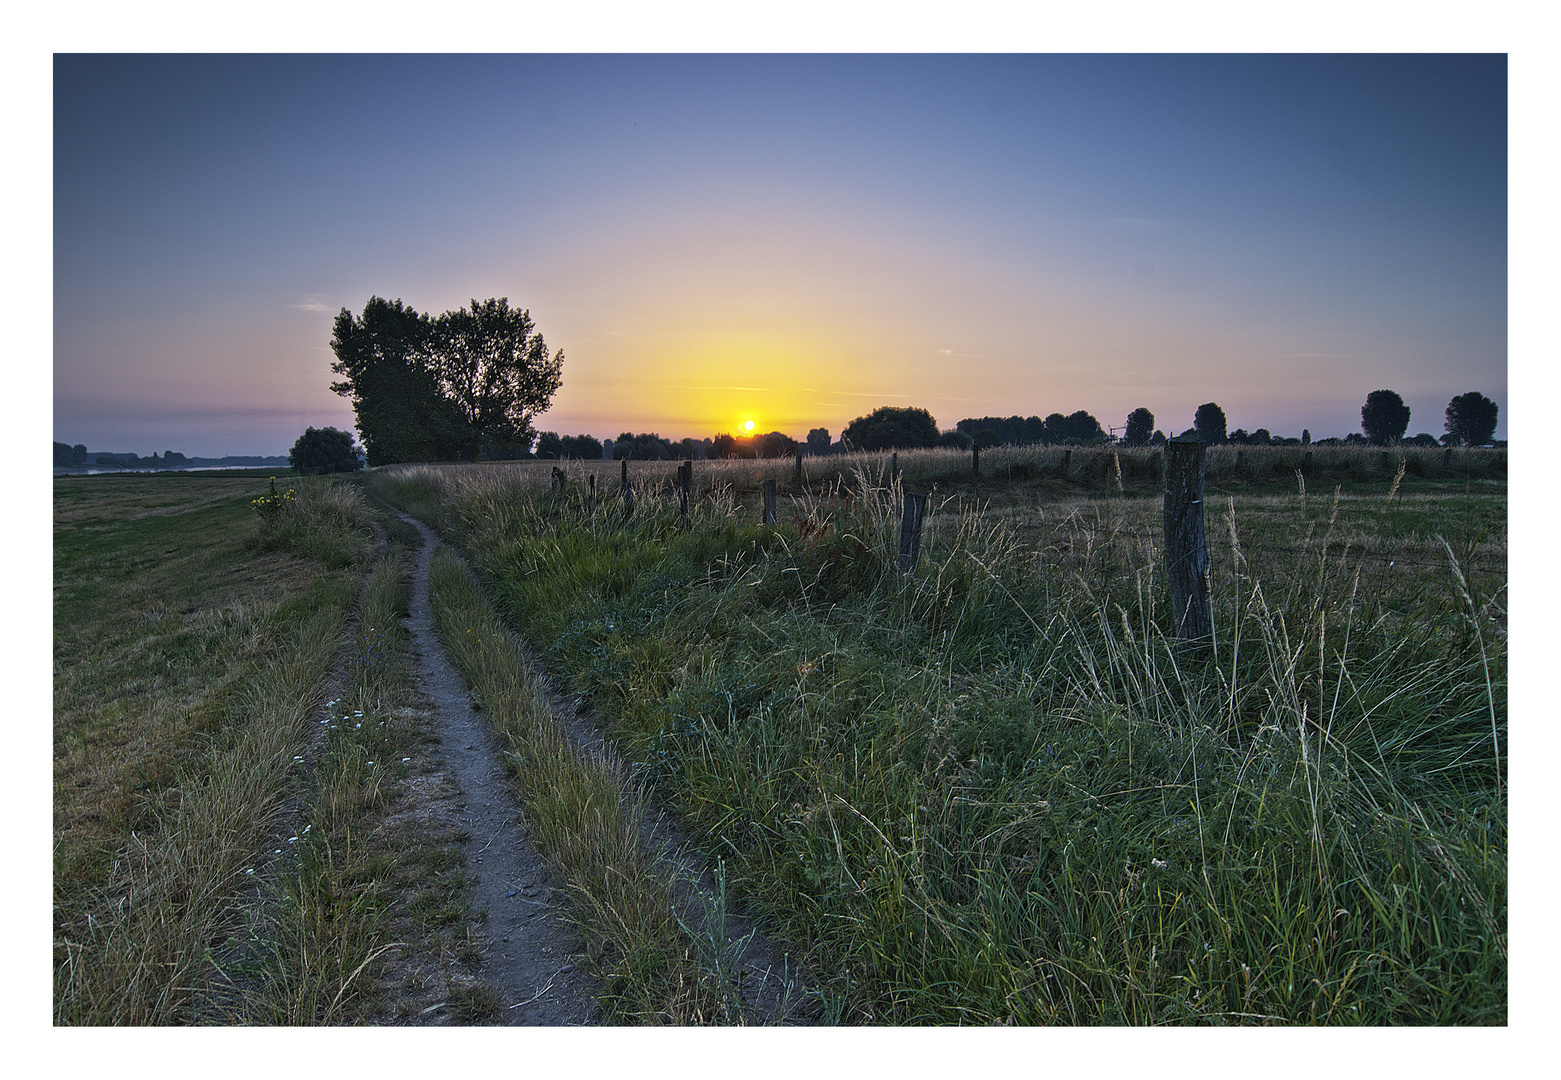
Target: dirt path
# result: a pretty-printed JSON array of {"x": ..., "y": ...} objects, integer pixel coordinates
[{"x": 531, "y": 955}]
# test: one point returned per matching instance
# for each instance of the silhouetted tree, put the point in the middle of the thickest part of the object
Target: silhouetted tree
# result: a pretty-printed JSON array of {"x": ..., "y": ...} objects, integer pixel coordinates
[
  {"x": 457, "y": 387},
  {"x": 643, "y": 447},
  {"x": 1471, "y": 420},
  {"x": 69, "y": 456},
  {"x": 1140, "y": 428},
  {"x": 1209, "y": 423},
  {"x": 890, "y": 427},
  {"x": 493, "y": 366},
  {"x": 774, "y": 445},
  {"x": 324, "y": 450},
  {"x": 1384, "y": 418},
  {"x": 818, "y": 441},
  {"x": 955, "y": 439},
  {"x": 394, "y": 395}
]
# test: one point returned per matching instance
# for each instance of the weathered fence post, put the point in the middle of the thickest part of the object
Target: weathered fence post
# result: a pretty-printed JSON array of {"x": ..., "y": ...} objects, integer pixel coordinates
[
  {"x": 894, "y": 466},
  {"x": 684, "y": 483},
  {"x": 623, "y": 473},
  {"x": 797, "y": 476},
  {"x": 1306, "y": 462},
  {"x": 1241, "y": 459},
  {"x": 1447, "y": 456},
  {"x": 1186, "y": 548},
  {"x": 910, "y": 531},
  {"x": 975, "y": 460},
  {"x": 1067, "y": 459},
  {"x": 559, "y": 479},
  {"x": 769, "y": 500},
  {"x": 591, "y": 498}
]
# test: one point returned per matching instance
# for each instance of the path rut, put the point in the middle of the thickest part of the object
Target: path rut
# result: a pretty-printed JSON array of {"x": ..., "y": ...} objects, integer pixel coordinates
[{"x": 531, "y": 955}]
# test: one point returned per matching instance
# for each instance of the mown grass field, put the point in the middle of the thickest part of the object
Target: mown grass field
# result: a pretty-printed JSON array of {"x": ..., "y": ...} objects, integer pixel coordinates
[
  {"x": 993, "y": 790},
  {"x": 220, "y": 849}
]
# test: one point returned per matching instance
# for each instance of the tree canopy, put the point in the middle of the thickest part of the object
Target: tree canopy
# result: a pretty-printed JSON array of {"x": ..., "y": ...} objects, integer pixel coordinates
[
  {"x": 891, "y": 428},
  {"x": 460, "y": 387},
  {"x": 550, "y": 446},
  {"x": 1209, "y": 423},
  {"x": 1470, "y": 420},
  {"x": 324, "y": 450},
  {"x": 1140, "y": 428},
  {"x": 1384, "y": 418}
]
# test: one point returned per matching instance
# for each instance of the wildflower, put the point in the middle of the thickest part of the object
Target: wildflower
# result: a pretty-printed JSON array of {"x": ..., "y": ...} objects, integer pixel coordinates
[
  {"x": 292, "y": 839},
  {"x": 1158, "y": 864}
]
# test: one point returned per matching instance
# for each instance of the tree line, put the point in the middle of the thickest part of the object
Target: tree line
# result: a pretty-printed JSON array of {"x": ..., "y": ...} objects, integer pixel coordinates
[{"x": 467, "y": 385}]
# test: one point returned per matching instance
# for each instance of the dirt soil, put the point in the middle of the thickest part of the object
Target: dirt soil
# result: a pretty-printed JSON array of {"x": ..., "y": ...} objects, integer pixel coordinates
[{"x": 532, "y": 956}]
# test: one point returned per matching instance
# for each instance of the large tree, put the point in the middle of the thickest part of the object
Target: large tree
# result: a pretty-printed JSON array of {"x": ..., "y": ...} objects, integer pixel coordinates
[
  {"x": 460, "y": 387},
  {"x": 1140, "y": 428},
  {"x": 493, "y": 366},
  {"x": 1209, "y": 423},
  {"x": 890, "y": 428},
  {"x": 1384, "y": 418},
  {"x": 381, "y": 355},
  {"x": 1470, "y": 420},
  {"x": 324, "y": 450}
]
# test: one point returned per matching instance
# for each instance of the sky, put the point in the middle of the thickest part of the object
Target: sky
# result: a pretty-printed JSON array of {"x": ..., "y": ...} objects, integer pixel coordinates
[
  {"x": 1078, "y": 231},
  {"x": 789, "y": 239}
]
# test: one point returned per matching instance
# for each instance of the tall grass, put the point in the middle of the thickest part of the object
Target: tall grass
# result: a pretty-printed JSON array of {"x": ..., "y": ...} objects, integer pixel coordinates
[
  {"x": 133, "y": 943},
  {"x": 587, "y": 819},
  {"x": 995, "y": 791}
]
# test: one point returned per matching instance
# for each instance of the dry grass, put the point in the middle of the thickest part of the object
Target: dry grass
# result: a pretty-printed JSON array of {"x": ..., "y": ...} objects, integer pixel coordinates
[
  {"x": 186, "y": 667},
  {"x": 995, "y": 791}
]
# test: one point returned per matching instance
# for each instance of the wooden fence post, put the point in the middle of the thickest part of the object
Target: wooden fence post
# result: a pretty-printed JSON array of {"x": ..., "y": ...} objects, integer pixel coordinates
[
  {"x": 1447, "y": 456},
  {"x": 894, "y": 466},
  {"x": 1306, "y": 462},
  {"x": 1241, "y": 459},
  {"x": 910, "y": 531},
  {"x": 1067, "y": 459},
  {"x": 769, "y": 500},
  {"x": 590, "y": 503},
  {"x": 559, "y": 479},
  {"x": 685, "y": 482},
  {"x": 797, "y": 476},
  {"x": 1186, "y": 547},
  {"x": 623, "y": 473},
  {"x": 975, "y": 460}
]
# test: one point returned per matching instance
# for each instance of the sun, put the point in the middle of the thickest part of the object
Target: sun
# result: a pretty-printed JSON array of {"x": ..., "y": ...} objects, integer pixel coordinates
[{"x": 748, "y": 427}]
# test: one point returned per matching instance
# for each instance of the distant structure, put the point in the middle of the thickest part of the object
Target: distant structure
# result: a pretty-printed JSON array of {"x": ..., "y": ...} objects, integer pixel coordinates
[{"x": 606, "y": 449}]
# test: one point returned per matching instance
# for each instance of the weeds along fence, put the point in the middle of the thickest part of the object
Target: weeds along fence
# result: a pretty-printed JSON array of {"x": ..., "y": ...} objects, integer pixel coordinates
[
  {"x": 1112, "y": 503},
  {"x": 996, "y": 787},
  {"x": 1049, "y": 469}
]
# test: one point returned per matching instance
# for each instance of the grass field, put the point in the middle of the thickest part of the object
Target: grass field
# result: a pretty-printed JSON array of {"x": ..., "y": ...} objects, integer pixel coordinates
[
  {"x": 993, "y": 791},
  {"x": 193, "y": 643}
]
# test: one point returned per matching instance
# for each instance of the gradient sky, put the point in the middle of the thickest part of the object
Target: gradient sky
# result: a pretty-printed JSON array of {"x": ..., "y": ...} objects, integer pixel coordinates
[{"x": 789, "y": 239}]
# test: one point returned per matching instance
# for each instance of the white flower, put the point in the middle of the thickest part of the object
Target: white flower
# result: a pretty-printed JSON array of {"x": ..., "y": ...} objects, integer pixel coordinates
[{"x": 1158, "y": 864}]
